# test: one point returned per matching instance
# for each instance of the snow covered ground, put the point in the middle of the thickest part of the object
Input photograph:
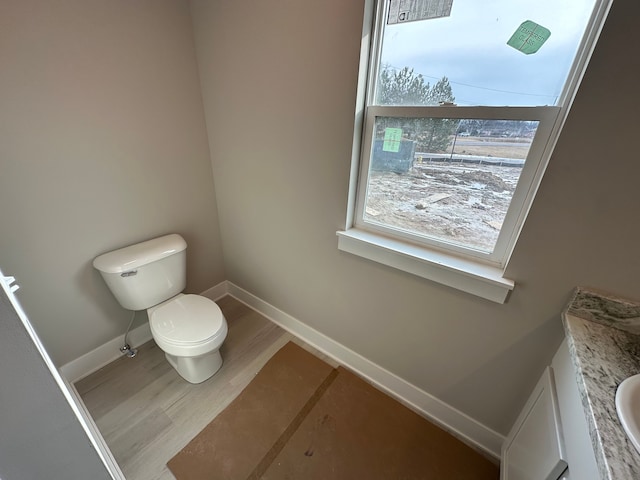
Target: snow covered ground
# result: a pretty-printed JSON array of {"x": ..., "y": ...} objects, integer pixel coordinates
[{"x": 463, "y": 203}]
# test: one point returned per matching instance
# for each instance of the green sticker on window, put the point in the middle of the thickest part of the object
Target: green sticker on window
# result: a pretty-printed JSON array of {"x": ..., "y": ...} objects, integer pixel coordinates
[
  {"x": 392, "y": 139},
  {"x": 529, "y": 37}
]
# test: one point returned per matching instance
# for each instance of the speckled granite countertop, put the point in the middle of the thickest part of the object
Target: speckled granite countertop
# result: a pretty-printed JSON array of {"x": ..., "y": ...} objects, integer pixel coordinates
[{"x": 603, "y": 333}]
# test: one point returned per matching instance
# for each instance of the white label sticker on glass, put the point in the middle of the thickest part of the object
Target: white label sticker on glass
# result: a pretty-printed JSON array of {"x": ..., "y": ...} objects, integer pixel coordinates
[{"x": 402, "y": 11}]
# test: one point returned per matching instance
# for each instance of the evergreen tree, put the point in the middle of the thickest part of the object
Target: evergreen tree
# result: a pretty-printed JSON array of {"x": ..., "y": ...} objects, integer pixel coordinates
[
  {"x": 405, "y": 87},
  {"x": 441, "y": 92},
  {"x": 402, "y": 87}
]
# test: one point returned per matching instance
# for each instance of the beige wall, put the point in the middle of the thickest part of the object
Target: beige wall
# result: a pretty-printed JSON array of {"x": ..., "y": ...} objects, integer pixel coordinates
[
  {"x": 102, "y": 144},
  {"x": 279, "y": 82}
]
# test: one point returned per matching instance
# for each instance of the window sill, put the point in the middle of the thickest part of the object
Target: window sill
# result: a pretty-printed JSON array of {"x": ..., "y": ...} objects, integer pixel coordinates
[{"x": 462, "y": 274}]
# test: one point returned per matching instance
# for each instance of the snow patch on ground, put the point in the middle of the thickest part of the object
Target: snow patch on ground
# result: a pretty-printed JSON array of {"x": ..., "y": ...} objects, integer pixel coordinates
[{"x": 463, "y": 203}]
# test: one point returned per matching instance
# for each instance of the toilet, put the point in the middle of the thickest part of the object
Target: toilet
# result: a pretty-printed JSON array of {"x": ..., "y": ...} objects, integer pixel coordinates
[{"x": 151, "y": 275}]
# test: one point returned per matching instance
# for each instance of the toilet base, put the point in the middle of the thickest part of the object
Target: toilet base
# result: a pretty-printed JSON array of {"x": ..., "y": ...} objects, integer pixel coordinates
[{"x": 196, "y": 369}]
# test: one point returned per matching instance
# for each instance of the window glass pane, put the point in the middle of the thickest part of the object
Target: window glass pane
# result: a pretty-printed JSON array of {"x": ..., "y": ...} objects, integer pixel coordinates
[
  {"x": 448, "y": 179},
  {"x": 490, "y": 52}
]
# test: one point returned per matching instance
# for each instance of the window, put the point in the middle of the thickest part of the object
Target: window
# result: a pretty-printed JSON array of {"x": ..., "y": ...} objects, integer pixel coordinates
[{"x": 462, "y": 103}]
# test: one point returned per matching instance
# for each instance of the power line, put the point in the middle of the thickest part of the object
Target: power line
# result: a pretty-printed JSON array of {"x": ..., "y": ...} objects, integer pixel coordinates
[{"x": 475, "y": 86}]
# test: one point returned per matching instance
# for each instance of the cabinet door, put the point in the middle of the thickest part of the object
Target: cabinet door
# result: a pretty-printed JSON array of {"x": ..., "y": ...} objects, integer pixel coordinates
[
  {"x": 580, "y": 456},
  {"x": 534, "y": 449}
]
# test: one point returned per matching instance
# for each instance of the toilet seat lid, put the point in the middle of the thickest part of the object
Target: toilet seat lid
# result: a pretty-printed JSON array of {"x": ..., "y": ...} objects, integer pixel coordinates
[{"x": 187, "y": 320}]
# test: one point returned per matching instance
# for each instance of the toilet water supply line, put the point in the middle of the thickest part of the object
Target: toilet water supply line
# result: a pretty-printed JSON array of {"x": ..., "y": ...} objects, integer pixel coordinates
[{"x": 126, "y": 349}]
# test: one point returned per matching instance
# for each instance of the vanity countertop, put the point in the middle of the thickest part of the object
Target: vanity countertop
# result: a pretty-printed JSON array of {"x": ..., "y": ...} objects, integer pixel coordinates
[{"x": 603, "y": 334}]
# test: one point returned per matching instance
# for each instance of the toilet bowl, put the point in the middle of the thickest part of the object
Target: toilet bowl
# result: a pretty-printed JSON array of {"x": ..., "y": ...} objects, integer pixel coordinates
[{"x": 190, "y": 330}]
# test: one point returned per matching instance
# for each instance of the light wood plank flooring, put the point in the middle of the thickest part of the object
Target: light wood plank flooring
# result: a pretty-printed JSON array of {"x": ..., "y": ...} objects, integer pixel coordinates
[{"x": 147, "y": 413}]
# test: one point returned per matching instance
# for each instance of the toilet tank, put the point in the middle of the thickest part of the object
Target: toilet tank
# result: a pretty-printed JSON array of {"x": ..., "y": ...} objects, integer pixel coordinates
[{"x": 145, "y": 274}]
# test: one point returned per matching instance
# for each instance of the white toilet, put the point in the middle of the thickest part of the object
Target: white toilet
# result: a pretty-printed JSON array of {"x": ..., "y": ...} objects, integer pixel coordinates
[{"x": 151, "y": 275}]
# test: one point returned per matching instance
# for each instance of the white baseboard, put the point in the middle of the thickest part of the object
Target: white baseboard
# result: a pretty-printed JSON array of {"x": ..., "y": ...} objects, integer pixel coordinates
[
  {"x": 449, "y": 418},
  {"x": 217, "y": 292},
  {"x": 110, "y": 351},
  {"x": 459, "y": 424},
  {"x": 104, "y": 354}
]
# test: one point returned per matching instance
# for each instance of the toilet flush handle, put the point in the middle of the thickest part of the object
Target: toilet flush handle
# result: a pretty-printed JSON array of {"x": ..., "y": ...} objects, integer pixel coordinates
[{"x": 130, "y": 273}]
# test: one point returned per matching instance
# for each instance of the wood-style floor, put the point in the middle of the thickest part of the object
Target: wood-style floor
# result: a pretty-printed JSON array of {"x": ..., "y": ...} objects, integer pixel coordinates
[{"x": 147, "y": 413}]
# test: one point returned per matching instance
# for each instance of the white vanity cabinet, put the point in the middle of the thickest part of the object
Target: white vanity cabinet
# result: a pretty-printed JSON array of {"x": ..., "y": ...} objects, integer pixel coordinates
[
  {"x": 550, "y": 439},
  {"x": 534, "y": 448}
]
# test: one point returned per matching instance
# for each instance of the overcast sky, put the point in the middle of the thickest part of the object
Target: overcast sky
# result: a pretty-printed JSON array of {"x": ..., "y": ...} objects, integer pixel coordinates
[{"x": 470, "y": 48}]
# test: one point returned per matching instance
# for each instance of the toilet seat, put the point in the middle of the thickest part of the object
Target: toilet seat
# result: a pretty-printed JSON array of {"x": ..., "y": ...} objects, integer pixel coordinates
[{"x": 187, "y": 321}]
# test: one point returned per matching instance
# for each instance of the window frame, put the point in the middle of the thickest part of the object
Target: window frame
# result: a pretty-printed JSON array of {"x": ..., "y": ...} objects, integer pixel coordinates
[
  {"x": 531, "y": 171},
  {"x": 431, "y": 258}
]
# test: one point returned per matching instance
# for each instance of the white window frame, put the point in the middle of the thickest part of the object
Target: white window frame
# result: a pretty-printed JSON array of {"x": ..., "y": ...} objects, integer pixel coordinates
[{"x": 456, "y": 266}]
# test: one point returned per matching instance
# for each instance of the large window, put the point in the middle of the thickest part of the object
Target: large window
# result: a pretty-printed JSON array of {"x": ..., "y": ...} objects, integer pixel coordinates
[{"x": 463, "y": 103}]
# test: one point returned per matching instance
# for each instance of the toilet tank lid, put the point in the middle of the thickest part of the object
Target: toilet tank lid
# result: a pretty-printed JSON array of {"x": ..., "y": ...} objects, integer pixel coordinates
[{"x": 134, "y": 256}]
